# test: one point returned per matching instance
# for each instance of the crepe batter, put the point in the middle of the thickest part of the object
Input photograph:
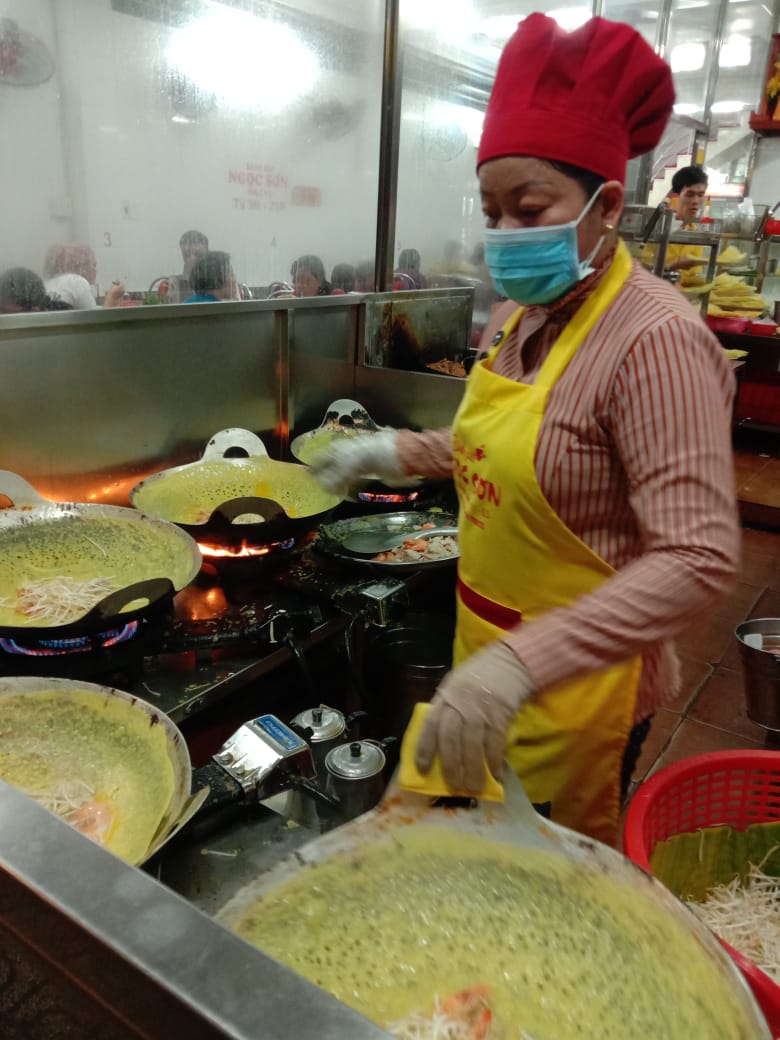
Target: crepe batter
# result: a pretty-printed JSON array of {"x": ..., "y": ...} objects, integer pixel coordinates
[{"x": 566, "y": 953}]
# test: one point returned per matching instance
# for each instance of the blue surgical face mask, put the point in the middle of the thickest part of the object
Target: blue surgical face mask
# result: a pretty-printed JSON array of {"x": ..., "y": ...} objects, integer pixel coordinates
[{"x": 538, "y": 264}]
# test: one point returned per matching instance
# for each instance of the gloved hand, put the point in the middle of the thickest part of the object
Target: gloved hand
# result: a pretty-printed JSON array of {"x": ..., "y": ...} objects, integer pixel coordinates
[
  {"x": 344, "y": 462},
  {"x": 470, "y": 715}
]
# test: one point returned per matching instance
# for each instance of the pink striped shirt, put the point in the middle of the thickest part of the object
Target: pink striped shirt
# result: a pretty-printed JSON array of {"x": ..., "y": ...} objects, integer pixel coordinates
[{"x": 634, "y": 454}]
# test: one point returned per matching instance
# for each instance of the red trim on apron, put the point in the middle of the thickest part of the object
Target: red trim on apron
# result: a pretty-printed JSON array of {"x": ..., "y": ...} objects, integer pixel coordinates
[{"x": 487, "y": 609}]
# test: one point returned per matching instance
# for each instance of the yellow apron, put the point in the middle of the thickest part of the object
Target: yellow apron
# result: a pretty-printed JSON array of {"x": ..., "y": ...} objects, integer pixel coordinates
[{"x": 519, "y": 560}]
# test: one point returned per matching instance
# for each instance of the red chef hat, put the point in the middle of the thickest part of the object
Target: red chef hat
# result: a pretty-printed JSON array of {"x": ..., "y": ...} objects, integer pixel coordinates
[{"x": 594, "y": 98}]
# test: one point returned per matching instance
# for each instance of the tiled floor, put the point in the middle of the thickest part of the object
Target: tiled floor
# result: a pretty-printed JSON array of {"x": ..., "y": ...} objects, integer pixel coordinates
[
  {"x": 709, "y": 714},
  {"x": 757, "y": 469}
]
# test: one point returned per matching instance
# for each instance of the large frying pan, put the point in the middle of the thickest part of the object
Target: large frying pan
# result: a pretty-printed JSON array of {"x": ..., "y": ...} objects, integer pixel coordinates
[
  {"x": 76, "y": 741},
  {"x": 143, "y": 559},
  {"x": 330, "y": 539},
  {"x": 495, "y": 826},
  {"x": 343, "y": 420},
  {"x": 227, "y": 500}
]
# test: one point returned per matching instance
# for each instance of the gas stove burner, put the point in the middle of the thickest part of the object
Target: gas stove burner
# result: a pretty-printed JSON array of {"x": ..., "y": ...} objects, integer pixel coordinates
[
  {"x": 388, "y": 497},
  {"x": 72, "y": 645},
  {"x": 244, "y": 551}
]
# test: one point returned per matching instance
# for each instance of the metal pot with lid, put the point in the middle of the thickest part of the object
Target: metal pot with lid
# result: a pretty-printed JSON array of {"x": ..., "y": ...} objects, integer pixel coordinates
[
  {"x": 355, "y": 776},
  {"x": 327, "y": 729}
]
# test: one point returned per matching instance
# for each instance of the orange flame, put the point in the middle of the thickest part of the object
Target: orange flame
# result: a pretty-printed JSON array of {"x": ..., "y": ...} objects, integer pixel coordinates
[{"x": 242, "y": 551}]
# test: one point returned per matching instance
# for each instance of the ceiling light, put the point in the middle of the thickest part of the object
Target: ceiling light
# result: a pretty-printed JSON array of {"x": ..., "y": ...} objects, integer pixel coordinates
[
  {"x": 735, "y": 52},
  {"x": 686, "y": 108},
  {"x": 571, "y": 17},
  {"x": 688, "y": 57},
  {"x": 472, "y": 121},
  {"x": 446, "y": 18},
  {"x": 500, "y": 26},
  {"x": 729, "y": 106},
  {"x": 245, "y": 61}
]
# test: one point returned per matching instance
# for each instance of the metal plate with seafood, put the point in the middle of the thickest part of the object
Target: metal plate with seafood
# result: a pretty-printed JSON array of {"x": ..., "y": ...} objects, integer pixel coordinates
[{"x": 413, "y": 553}]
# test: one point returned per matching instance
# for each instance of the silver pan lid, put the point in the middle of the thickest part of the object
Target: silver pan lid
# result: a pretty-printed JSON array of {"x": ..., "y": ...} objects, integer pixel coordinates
[
  {"x": 356, "y": 761},
  {"x": 324, "y": 722}
]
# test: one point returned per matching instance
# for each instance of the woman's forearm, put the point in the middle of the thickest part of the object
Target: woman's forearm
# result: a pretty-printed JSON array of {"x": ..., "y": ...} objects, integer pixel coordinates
[{"x": 426, "y": 454}]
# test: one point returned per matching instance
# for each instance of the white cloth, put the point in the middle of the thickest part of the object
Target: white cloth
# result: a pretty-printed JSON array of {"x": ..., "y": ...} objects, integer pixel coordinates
[{"x": 73, "y": 290}]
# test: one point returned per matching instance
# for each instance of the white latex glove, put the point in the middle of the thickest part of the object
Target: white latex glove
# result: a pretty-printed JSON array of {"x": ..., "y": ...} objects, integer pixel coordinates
[
  {"x": 470, "y": 715},
  {"x": 346, "y": 461}
]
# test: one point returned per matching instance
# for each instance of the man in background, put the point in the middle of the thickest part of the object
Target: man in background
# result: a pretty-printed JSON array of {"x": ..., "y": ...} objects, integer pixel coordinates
[
  {"x": 194, "y": 246},
  {"x": 686, "y": 196},
  {"x": 689, "y": 188}
]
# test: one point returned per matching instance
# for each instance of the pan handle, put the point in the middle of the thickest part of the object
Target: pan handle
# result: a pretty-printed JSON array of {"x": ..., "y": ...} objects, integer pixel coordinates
[
  {"x": 234, "y": 440},
  {"x": 263, "y": 507},
  {"x": 343, "y": 409},
  {"x": 150, "y": 590},
  {"x": 19, "y": 491}
]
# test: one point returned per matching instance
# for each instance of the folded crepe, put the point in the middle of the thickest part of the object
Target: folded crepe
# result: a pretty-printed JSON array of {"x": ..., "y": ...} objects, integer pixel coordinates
[{"x": 97, "y": 761}]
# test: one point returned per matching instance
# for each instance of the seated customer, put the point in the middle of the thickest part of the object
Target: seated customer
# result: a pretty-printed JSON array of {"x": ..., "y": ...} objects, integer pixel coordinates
[
  {"x": 71, "y": 272},
  {"x": 408, "y": 270},
  {"x": 194, "y": 246},
  {"x": 22, "y": 291},
  {"x": 212, "y": 279},
  {"x": 308, "y": 276},
  {"x": 364, "y": 276},
  {"x": 342, "y": 278}
]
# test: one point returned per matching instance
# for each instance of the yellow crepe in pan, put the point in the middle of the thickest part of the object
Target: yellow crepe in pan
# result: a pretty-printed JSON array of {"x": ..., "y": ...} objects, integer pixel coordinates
[
  {"x": 84, "y": 549},
  {"x": 79, "y": 747},
  {"x": 190, "y": 494}
]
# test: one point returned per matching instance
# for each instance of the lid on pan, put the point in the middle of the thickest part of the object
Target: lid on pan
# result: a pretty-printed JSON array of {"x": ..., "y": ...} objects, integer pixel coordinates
[{"x": 356, "y": 761}]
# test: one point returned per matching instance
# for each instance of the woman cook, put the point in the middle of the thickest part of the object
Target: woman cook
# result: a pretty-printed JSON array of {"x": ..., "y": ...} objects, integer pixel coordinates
[{"x": 591, "y": 451}]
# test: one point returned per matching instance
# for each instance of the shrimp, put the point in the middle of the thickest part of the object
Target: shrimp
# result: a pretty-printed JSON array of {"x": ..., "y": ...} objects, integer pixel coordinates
[
  {"x": 74, "y": 802},
  {"x": 92, "y": 819},
  {"x": 465, "y": 1015},
  {"x": 416, "y": 544},
  {"x": 471, "y": 1007}
]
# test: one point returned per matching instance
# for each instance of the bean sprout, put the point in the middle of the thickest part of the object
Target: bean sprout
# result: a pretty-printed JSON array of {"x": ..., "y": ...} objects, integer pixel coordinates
[
  {"x": 73, "y": 801},
  {"x": 747, "y": 915},
  {"x": 60, "y": 600}
]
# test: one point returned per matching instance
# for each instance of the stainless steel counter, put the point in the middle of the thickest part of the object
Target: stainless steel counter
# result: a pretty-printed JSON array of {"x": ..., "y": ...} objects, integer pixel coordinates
[
  {"x": 93, "y": 949},
  {"x": 209, "y": 873}
]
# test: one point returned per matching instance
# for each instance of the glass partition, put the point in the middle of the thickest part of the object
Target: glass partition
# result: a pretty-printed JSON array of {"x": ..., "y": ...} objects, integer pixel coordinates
[
  {"x": 742, "y": 68},
  {"x": 450, "y": 51},
  {"x": 717, "y": 50},
  {"x": 255, "y": 126},
  {"x": 129, "y": 122}
]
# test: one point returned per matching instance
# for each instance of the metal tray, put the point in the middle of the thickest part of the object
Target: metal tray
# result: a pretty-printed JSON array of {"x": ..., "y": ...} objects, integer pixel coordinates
[{"x": 330, "y": 537}]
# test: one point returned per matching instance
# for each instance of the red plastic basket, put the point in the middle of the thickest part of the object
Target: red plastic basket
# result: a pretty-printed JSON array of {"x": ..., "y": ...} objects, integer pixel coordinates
[{"x": 735, "y": 788}]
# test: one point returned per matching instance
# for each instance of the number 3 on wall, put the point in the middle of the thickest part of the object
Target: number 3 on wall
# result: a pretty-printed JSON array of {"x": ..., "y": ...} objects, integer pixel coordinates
[{"x": 107, "y": 238}]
